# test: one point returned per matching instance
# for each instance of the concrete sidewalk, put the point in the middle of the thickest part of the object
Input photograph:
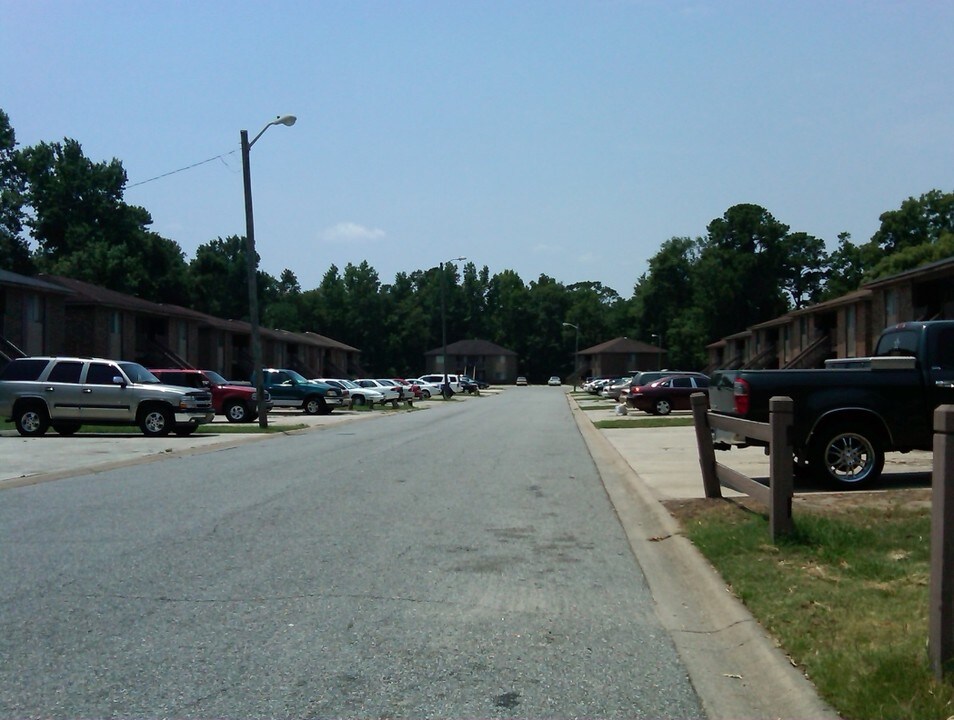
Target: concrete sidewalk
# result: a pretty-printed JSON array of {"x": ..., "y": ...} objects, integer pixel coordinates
[{"x": 25, "y": 461}]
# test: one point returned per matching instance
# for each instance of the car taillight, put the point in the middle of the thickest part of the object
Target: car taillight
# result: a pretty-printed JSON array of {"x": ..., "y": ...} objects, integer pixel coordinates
[{"x": 740, "y": 390}]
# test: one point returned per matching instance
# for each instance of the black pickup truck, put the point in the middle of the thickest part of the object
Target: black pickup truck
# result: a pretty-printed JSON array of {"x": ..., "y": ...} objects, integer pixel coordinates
[{"x": 847, "y": 415}]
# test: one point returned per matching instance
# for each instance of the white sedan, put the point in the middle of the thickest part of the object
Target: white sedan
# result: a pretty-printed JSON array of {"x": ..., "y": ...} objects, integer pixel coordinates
[
  {"x": 359, "y": 395},
  {"x": 392, "y": 393}
]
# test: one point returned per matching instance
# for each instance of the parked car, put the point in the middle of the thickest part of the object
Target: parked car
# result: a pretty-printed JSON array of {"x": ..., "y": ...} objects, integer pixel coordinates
[
  {"x": 613, "y": 390},
  {"x": 453, "y": 379},
  {"x": 359, "y": 395},
  {"x": 481, "y": 384},
  {"x": 391, "y": 393},
  {"x": 65, "y": 393},
  {"x": 428, "y": 390},
  {"x": 645, "y": 377},
  {"x": 414, "y": 387},
  {"x": 521, "y": 380},
  {"x": 406, "y": 394},
  {"x": 660, "y": 397},
  {"x": 554, "y": 381},
  {"x": 239, "y": 403},
  {"x": 290, "y": 389},
  {"x": 470, "y": 386},
  {"x": 594, "y": 385}
]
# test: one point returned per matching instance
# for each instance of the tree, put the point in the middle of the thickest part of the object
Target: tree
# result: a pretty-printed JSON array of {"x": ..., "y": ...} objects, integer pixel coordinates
[
  {"x": 284, "y": 307},
  {"x": 666, "y": 289},
  {"x": 846, "y": 268},
  {"x": 737, "y": 281},
  {"x": 803, "y": 269},
  {"x": 14, "y": 250},
  {"x": 83, "y": 228},
  {"x": 219, "y": 279},
  {"x": 916, "y": 222}
]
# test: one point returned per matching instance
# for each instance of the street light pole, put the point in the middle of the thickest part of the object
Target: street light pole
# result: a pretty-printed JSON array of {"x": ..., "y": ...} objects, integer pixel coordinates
[
  {"x": 444, "y": 388},
  {"x": 659, "y": 354},
  {"x": 576, "y": 353},
  {"x": 252, "y": 267}
]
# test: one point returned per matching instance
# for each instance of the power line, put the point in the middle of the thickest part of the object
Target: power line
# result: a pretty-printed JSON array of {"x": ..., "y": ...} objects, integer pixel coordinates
[{"x": 188, "y": 167}]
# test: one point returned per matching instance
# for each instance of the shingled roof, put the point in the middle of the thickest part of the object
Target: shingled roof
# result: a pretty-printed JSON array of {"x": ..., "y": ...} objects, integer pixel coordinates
[
  {"x": 472, "y": 348},
  {"x": 621, "y": 345}
]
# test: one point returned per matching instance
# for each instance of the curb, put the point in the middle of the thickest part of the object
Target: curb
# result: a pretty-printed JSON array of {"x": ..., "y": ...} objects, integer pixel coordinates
[{"x": 735, "y": 667}]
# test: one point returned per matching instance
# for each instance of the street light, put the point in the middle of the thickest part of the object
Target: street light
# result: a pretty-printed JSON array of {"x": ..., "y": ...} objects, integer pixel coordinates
[
  {"x": 576, "y": 353},
  {"x": 444, "y": 387},
  {"x": 252, "y": 262},
  {"x": 659, "y": 354}
]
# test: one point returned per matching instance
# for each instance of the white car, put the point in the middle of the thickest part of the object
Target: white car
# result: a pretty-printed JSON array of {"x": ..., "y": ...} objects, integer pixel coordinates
[
  {"x": 428, "y": 389},
  {"x": 359, "y": 395},
  {"x": 438, "y": 379},
  {"x": 391, "y": 393},
  {"x": 554, "y": 381}
]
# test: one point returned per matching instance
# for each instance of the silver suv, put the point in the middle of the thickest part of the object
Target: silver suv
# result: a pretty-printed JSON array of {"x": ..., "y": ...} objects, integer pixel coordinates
[{"x": 64, "y": 393}]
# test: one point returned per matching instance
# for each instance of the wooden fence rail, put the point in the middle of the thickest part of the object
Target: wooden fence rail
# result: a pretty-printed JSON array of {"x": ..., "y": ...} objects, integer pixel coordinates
[
  {"x": 777, "y": 496},
  {"x": 941, "y": 592}
]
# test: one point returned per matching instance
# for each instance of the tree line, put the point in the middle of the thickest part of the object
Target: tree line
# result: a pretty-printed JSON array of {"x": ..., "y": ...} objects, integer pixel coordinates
[{"x": 63, "y": 214}]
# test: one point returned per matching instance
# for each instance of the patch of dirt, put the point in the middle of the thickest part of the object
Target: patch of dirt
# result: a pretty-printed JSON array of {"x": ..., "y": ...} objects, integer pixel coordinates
[{"x": 833, "y": 503}]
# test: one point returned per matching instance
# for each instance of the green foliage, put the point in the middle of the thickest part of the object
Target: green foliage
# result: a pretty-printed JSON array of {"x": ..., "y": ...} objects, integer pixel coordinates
[
  {"x": 85, "y": 230},
  {"x": 917, "y": 222},
  {"x": 14, "y": 250},
  {"x": 846, "y": 595},
  {"x": 219, "y": 278}
]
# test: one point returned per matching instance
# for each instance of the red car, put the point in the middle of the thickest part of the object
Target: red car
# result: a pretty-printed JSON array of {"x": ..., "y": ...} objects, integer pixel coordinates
[
  {"x": 237, "y": 402},
  {"x": 660, "y": 397}
]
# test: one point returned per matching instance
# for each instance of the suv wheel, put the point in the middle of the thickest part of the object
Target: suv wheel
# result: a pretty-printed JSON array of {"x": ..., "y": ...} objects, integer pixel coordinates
[
  {"x": 66, "y": 428},
  {"x": 316, "y": 406},
  {"x": 155, "y": 421},
  {"x": 31, "y": 419},
  {"x": 236, "y": 412}
]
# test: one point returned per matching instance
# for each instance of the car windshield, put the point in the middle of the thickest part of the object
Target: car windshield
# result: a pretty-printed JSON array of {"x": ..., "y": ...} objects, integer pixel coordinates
[
  {"x": 215, "y": 377},
  {"x": 137, "y": 373},
  {"x": 295, "y": 376}
]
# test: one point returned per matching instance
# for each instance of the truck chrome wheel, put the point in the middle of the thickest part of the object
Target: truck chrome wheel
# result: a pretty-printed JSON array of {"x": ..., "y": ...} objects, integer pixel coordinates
[{"x": 848, "y": 458}]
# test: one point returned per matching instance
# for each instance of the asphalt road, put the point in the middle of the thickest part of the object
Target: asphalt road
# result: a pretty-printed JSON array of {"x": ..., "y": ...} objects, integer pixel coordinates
[{"x": 461, "y": 561}]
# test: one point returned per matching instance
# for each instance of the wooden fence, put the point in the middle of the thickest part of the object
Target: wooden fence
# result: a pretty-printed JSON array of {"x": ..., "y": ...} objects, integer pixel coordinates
[{"x": 777, "y": 496}]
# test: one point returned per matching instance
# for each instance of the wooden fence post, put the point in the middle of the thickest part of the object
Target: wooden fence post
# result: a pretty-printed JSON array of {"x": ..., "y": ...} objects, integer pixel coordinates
[
  {"x": 707, "y": 461},
  {"x": 781, "y": 468},
  {"x": 941, "y": 597}
]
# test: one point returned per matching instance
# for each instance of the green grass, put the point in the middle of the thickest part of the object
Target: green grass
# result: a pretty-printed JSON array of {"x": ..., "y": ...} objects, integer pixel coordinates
[{"x": 846, "y": 596}]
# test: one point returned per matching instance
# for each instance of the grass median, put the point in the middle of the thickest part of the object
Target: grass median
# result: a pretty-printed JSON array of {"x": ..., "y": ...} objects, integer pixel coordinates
[{"x": 846, "y": 595}]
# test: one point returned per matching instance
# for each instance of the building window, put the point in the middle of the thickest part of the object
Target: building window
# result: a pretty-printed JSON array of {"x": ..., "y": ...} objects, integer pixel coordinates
[
  {"x": 850, "y": 331},
  {"x": 891, "y": 306}
]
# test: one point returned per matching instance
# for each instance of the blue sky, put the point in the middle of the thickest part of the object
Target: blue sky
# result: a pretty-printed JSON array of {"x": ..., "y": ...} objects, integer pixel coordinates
[{"x": 562, "y": 138}]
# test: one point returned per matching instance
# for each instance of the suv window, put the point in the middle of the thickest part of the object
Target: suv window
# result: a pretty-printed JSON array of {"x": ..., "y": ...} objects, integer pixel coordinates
[
  {"x": 101, "y": 374},
  {"x": 23, "y": 369},
  {"x": 67, "y": 371},
  {"x": 180, "y": 378}
]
